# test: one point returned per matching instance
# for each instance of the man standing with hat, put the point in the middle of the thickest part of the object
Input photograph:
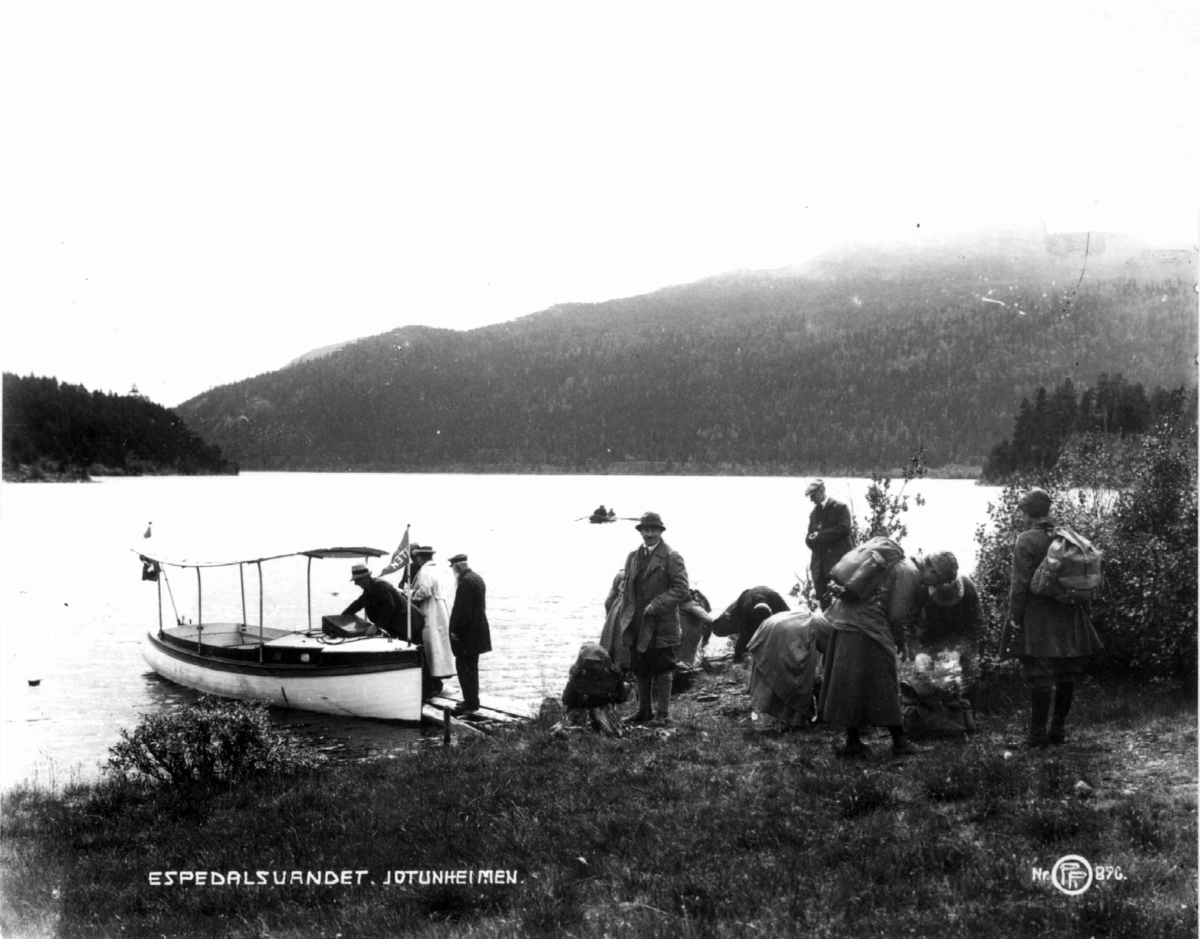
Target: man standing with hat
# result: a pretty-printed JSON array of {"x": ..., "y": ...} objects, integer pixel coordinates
[
  {"x": 828, "y": 537},
  {"x": 470, "y": 635},
  {"x": 1057, "y": 638},
  {"x": 430, "y": 597},
  {"x": 655, "y": 584},
  {"x": 382, "y": 603}
]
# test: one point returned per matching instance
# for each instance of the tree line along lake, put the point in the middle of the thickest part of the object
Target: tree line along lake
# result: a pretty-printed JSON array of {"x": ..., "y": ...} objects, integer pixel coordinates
[{"x": 76, "y": 609}]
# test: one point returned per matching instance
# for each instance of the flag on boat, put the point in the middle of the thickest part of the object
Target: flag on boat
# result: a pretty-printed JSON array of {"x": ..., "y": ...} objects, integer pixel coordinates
[{"x": 400, "y": 557}]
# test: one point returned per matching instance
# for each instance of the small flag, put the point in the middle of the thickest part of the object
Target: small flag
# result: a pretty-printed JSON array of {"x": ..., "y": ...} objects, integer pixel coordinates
[
  {"x": 147, "y": 535},
  {"x": 399, "y": 558}
]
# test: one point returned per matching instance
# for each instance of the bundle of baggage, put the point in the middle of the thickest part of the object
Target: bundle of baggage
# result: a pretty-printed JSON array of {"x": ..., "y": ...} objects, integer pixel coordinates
[
  {"x": 931, "y": 697},
  {"x": 595, "y": 686}
]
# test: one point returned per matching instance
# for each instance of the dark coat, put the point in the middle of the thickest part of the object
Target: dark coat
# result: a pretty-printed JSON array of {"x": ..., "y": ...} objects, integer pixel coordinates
[
  {"x": 385, "y": 607},
  {"x": 1053, "y": 630},
  {"x": 739, "y": 618},
  {"x": 651, "y": 595},
  {"x": 831, "y": 523},
  {"x": 468, "y": 619}
]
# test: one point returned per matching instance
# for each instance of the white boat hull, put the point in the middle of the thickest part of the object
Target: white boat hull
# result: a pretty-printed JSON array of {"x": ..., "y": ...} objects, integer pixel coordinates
[{"x": 377, "y": 678}]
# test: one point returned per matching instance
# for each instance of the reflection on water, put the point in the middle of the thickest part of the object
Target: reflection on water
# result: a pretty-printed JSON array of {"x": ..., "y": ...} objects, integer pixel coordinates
[{"x": 75, "y": 609}]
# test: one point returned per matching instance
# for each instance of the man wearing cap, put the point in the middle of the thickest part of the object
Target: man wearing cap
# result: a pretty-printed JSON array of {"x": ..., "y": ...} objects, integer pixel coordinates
[
  {"x": 470, "y": 635},
  {"x": 744, "y": 615},
  {"x": 828, "y": 537},
  {"x": 861, "y": 682},
  {"x": 655, "y": 584},
  {"x": 952, "y": 620},
  {"x": 430, "y": 597},
  {"x": 382, "y": 603},
  {"x": 1057, "y": 638}
]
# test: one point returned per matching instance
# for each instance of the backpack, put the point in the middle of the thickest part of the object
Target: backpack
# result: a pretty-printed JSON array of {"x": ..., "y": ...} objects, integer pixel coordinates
[
  {"x": 861, "y": 570},
  {"x": 1072, "y": 570},
  {"x": 935, "y": 712},
  {"x": 594, "y": 681}
]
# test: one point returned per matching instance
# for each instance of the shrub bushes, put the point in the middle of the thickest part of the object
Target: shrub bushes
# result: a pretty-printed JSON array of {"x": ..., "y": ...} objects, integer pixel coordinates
[
  {"x": 1147, "y": 611},
  {"x": 213, "y": 741}
]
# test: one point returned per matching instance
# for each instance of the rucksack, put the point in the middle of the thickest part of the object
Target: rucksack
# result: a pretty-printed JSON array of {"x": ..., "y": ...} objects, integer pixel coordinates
[
  {"x": 861, "y": 569},
  {"x": 935, "y": 712},
  {"x": 594, "y": 680},
  {"x": 1072, "y": 570}
]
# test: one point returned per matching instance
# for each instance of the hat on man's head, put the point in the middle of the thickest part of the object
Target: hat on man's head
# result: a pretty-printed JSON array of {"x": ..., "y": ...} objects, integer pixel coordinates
[
  {"x": 650, "y": 520},
  {"x": 359, "y": 570},
  {"x": 814, "y": 486},
  {"x": 947, "y": 594},
  {"x": 945, "y": 563},
  {"x": 422, "y": 549},
  {"x": 1035, "y": 503},
  {"x": 457, "y": 558}
]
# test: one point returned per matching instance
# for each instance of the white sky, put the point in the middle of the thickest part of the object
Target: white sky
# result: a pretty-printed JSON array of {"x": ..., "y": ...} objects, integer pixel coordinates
[{"x": 193, "y": 193}]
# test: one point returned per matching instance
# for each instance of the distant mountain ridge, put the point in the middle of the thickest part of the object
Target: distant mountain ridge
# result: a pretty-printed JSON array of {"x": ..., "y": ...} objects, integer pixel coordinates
[{"x": 849, "y": 361}]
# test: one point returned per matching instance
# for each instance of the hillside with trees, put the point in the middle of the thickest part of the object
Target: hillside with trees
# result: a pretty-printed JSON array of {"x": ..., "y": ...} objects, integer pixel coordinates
[
  {"x": 847, "y": 364},
  {"x": 55, "y": 430},
  {"x": 1101, "y": 419}
]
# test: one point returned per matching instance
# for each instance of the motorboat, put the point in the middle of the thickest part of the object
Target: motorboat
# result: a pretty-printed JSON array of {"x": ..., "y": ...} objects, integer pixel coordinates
[{"x": 333, "y": 667}]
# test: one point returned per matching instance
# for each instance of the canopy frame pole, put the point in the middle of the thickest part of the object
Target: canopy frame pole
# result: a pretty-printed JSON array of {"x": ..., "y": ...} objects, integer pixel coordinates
[
  {"x": 308, "y": 587},
  {"x": 199, "y": 612}
]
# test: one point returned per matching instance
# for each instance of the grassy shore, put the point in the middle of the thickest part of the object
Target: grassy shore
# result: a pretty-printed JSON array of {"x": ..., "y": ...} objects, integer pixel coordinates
[{"x": 717, "y": 826}]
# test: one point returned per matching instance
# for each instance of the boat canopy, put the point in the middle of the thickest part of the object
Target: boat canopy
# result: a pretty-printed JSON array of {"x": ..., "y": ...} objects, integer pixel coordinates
[{"x": 323, "y": 553}]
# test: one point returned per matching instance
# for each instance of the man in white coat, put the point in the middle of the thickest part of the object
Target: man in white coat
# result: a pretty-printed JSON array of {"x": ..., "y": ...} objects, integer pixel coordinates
[{"x": 430, "y": 597}]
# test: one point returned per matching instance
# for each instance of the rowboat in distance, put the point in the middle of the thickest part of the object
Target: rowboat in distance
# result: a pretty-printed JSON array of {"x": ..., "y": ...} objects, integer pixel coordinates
[{"x": 332, "y": 667}]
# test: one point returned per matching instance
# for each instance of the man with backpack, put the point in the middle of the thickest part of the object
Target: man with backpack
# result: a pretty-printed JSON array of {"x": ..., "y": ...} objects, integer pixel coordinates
[{"x": 1050, "y": 621}]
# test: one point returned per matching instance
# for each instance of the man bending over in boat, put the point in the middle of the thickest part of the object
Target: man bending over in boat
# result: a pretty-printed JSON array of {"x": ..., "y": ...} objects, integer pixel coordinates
[{"x": 383, "y": 604}]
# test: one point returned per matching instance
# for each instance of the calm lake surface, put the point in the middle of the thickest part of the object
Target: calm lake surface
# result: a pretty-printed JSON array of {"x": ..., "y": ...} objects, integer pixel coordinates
[{"x": 75, "y": 610}]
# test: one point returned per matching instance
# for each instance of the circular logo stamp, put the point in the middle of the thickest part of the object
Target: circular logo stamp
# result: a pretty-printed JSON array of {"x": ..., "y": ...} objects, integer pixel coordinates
[{"x": 1071, "y": 874}]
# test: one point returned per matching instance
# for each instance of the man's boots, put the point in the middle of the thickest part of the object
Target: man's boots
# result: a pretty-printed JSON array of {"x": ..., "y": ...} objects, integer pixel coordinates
[
  {"x": 1039, "y": 712},
  {"x": 643, "y": 712},
  {"x": 1064, "y": 694},
  {"x": 662, "y": 695}
]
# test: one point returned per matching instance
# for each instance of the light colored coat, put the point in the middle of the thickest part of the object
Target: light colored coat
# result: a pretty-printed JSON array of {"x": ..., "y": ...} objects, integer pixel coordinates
[{"x": 430, "y": 597}]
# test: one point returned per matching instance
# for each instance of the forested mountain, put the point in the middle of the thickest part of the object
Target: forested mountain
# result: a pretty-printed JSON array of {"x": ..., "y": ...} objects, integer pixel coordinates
[
  {"x": 76, "y": 432},
  {"x": 847, "y": 364},
  {"x": 1113, "y": 408}
]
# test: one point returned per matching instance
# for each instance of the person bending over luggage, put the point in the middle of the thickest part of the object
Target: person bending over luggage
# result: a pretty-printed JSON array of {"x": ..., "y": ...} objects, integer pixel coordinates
[
  {"x": 380, "y": 601},
  {"x": 861, "y": 686},
  {"x": 952, "y": 621},
  {"x": 743, "y": 616},
  {"x": 1057, "y": 636}
]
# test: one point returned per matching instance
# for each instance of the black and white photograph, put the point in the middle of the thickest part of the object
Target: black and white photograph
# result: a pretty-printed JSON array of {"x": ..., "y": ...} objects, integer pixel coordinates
[{"x": 602, "y": 471}]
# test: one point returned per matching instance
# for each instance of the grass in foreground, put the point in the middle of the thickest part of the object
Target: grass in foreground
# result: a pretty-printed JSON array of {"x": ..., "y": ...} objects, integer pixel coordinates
[{"x": 714, "y": 828}]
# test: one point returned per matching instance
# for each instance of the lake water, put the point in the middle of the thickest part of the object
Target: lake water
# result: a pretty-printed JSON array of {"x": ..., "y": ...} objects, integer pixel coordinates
[{"x": 75, "y": 609}]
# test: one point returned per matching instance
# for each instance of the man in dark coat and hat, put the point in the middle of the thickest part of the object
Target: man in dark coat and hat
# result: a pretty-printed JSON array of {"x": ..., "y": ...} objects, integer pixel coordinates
[
  {"x": 1057, "y": 637},
  {"x": 828, "y": 537},
  {"x": 380, "y": 601},
  {"x": 655, "y": 583},
  {"x": 470, "y": 635}
]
